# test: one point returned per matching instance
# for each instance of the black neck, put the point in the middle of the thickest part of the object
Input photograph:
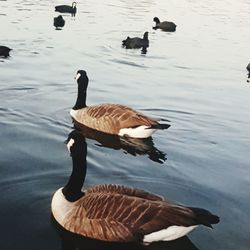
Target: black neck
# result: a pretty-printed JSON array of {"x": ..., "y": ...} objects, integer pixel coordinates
[
  {"x": 81, "y": 98},
  {"x": 72, "y": 190}
]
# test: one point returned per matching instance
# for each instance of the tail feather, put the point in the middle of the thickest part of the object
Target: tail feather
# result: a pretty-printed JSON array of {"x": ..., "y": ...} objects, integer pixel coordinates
[
  {"x": 204, "y": 217},
  {"x": 160, "y": 126}
]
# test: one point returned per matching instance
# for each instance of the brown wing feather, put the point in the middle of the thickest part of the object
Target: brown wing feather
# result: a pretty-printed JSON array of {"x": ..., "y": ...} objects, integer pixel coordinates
[
  {"x": 92, "y": 217},
  {"x": 119, "y": 189},
  {"x": 110, "y": 118},
  {"x": 120, "y": 216}
]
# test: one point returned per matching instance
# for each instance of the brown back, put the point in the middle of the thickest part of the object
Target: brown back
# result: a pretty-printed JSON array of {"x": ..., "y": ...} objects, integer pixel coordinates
[{"x": 110, "y": 118}]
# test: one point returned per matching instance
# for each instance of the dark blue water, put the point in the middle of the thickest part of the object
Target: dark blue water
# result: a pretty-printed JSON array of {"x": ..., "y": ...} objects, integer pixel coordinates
[{"x": 194, "y": 77}]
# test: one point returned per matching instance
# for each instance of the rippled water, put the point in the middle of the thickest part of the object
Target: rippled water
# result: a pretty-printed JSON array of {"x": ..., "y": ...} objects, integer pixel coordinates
[{"x": 194, "y": 77}]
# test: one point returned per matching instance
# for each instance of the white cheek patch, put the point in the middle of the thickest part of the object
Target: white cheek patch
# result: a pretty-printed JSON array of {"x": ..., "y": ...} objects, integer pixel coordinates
[
  {"x": 70, "y": 144},
  {"x": 78, "y": 76}
]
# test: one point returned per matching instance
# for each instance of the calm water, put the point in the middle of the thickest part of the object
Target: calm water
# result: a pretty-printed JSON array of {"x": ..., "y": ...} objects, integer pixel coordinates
[{"x": 194, "y": 77}]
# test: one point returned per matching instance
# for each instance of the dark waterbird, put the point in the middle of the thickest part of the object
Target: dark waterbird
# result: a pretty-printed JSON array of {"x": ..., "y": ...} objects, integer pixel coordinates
[
  {"x": 165, "y": 26},
  {"x": 4, "y": 51},
  {"x": 116, "y": 213},
  {"x": 248, "y": 69},
  {"x": 66, "y": 8},
  {"x": 59, "y": 22},
  {"x": 136, "y": 42}
]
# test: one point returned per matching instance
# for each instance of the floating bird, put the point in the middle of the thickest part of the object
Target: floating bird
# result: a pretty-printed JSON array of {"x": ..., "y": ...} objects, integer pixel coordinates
[
  {"x": 136, "y": 42},
  {"x": 248, "y": 69},
  {"x": 4, "y": 51},
  {"x": 118, "y": 213},
  {"x": 165, "y": 26},
  {"x": 59, "y": 22},
  {"x": 67, "y": 8},
  {"x": 111, "y": 118}
]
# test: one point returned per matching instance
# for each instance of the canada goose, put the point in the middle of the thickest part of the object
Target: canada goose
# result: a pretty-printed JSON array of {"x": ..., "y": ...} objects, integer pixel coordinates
[
  {"x": 111, "y": 118},
  {"x": 133, "y": 146},
  {"x": 4, "y": 51},
  {"x": 166, "y": 26},
  {"x": 117, "y": 213},
  {"x": 136, "y": 42},
  {"x": 59, "y": 21},
  {"x": 66, "y": 8}
]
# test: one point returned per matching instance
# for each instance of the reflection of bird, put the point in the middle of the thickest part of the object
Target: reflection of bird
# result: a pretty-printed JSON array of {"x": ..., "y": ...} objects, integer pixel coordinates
[
  {"x": 133, "y": 146},
  {"x": 166, "y": 26},
  {"x": 248, "y": 69},
  {"x": 59, "y": 21},
  {"x": 136, "y": 42},
  {"x": 111, "y": 118},
  {"x": 4, "y": 51},
  {"x": 66, "y": 8},
  {"x": 117, "y": 213}
]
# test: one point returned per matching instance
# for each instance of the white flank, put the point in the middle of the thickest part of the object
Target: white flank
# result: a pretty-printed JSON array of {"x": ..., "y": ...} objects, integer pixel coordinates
[
  {"x": 73, "y": 113},
  {"x": 171, "y": 233},
  {"x": 70, "y": 144},
  {"x": 138, "y": 132}
]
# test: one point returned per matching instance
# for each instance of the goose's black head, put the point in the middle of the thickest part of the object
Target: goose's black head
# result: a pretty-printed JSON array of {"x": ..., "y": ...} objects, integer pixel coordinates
[
  {"x": 74, "y": 5},
  {"x": 76, "y": 144},
  {"x": 82, "y": 78},
  {"x": 156, "y": 19}
]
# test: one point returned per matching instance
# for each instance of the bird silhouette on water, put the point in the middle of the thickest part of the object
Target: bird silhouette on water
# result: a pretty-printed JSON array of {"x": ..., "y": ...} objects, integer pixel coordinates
[
  {"x": 59, "y": 22},
  {"x": 4, "y": 51}
]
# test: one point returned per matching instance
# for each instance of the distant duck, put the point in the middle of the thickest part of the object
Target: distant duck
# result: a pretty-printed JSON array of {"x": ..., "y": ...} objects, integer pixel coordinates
[
  {"x": 165, "y": 26},
  {"x": 118, "y": 213},
  {"x": 59, "y": 22},
  {"x": 136, "y": 42},
  {"x": 248, "y": 67},
  {"x": 66, "y": 8},
  {"x": 4, "y": 51},
  {"x": 111, "y": 118}
]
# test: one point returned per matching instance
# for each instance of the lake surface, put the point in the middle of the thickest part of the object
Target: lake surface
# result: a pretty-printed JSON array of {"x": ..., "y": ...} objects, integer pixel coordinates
[{"x": 195, "y": 77}]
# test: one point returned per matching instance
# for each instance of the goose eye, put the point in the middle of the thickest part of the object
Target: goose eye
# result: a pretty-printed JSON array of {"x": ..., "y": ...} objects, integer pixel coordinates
[
  {"x": 70, "y": 144},
  {"x": 78, "y": 76}
]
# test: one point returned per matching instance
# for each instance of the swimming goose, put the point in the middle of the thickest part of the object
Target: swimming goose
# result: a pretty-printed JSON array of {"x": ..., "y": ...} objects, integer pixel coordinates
[
  {"x": 165, "y": 26},
  {"x": 4, "y": 51},
  {"x": 136, "y": 42},
  {"x": 111, "y": 118},
  {"x": 59, "y": 21},
  {"x": 66, "y": 8},
  {"x": 118, "y": 213}
]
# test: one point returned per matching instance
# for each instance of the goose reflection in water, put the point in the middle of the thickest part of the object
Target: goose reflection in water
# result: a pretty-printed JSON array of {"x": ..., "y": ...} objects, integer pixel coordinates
[
  {"x": 133, "y": 146},
  {"x": 71, "y": 241}
]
